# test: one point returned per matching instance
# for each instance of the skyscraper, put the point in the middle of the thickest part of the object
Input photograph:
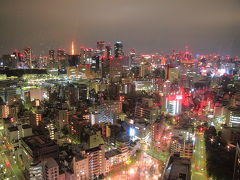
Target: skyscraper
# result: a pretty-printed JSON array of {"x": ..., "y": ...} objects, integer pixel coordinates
[
  {"x": 108, "y": 52},
  {"x": 28, "y": 56},
  {"x": 118, "y": 49},
  {"x": 101, "y": 47},
  {"x": 51, "y": 55}
]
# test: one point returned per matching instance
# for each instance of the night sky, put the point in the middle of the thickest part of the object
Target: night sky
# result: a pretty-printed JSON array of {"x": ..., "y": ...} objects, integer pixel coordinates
[{"x": 149, "y": 26}]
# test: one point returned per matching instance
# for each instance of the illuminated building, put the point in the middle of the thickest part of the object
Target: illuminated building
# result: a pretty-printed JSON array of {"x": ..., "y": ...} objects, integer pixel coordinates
[
  {"x": 127, "y": 88},
  {"x": 14, "y": 133},
  {"x": 72, "y": 72},
  {"x": 149, "y": 113},
  {"x": 96, "y": 63},
  {"x": 36, "y": 94},
  {"x": 143, "y": 85},
  {"x": 116, "y": 70},
  {"x": 132, "y": 54},
  {"x": 118, "y": 49},
  {"x": 157, "y": 130},
  {"x": 116, "y": 157},
  {"x": 8, "y": 94},
  {"x": 28, "y": 56},
  {"x": 108, "y": 52},
  {"x": 173, "y": 104},
  {"x": 35, "y": 119},
  {"x": 51, "y": 55},
  {"x": 4, "y": 111},
  {"x": 36, "y": 171},
  {"x": 144, "y": 69},
  {"x": 51, "y": 169},
  {"x": 233, "y": 117},
  {"x": 46, "y": 169},
  {"x": 73, "y": 60},
  {"x": 86, "y": 55},
  {"x": 106, "y": 112},
  {"x": 100, "y": 47},
  {"x": 97, "y": 161},
  {"x": 184, "y": 148},
  {"x": 230, "y": 135},
  {"x": 172, "y": 73},
  {"x": 51, "y": 130},
  {"x": 77, "y": 122},
  {"x": 81, "y": 166},
  {"x": 62, "y": 58},
  {"x": 63, "y": 117},
  {"x": 236, "y": 173}
]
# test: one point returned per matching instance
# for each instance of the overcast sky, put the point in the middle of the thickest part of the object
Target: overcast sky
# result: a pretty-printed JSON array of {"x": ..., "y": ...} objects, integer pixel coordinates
[{"x": 147, "y": 25}]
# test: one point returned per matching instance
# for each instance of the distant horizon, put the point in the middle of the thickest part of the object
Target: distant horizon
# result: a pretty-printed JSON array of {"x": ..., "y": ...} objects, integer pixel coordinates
[
  {"x": 148, "y": 26},
  {"x": 36, "y": 51}
]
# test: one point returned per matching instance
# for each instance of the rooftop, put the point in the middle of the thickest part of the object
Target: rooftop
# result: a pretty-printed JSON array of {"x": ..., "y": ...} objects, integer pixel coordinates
[{"x": 37, "y": 141}]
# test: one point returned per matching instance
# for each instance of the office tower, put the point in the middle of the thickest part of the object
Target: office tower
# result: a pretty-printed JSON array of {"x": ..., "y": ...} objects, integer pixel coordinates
[
  {"x": 132, "y": 55},
  {"x": 108, "y": 52},
  {"x": 73, "y": 60},
  {"x": 51, "y": 55},
  {"x": 95, "y": 65},
  {"x": 101, "y": 47},
  {"x": 118, "y": 49},
  {"x": 62, "y": 59},
  {"x": 61, "y": 54},
  {"x": 28, "y": 56}
]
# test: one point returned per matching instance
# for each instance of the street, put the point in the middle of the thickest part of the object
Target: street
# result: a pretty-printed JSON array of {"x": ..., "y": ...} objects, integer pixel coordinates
[
  {"x": 199, "y": 171},
  {"x": 9, "y": 167}
]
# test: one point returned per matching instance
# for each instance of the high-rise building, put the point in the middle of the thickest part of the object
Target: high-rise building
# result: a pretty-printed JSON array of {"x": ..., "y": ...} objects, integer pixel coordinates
[
  {"x": 97, "y": 161},
  {"x": 108, "y": 52},
  {"x": 28, "y": 56},
  {"x": 101, "y": 47},
  {"x": 118, "y": 49},
  {"x": 96, "y": 64},
  {"x": 51, "y": 55}
]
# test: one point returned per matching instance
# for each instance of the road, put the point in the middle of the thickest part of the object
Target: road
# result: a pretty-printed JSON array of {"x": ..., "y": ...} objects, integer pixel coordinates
[
  {"x": 146, "y": 168},
  {"x": 199, "y": 171},
  {"x": 8, "y": 163}
]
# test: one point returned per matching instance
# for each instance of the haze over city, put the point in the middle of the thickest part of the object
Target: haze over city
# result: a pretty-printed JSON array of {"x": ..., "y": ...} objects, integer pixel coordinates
[{"x": 148, "y": 26}]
